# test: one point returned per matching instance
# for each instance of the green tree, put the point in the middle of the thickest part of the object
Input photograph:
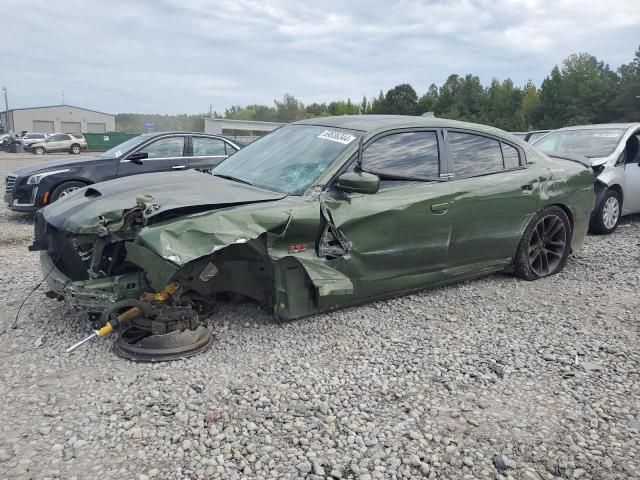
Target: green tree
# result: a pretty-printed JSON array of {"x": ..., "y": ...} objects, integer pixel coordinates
[
  {"x": 401, "y": 100},
  {"x": 627, "y": 102},
  {"x": 365, "y": 106},
  {"x": 316, "y": 110},
  {"x": 462, "y": 99},
  {"x": 289, "y": 109},
  {"x": 580, "y": 92},
  {"x": 378, "y": 104},
  {"x": 504, "y": 102},
  {"x": 428, "y": 101},
  {"x": 530, "y": 106}
]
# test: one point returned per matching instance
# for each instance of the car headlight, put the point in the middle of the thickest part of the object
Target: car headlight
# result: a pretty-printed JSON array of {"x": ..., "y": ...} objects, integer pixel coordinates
[{"x": 35, "y": 179}]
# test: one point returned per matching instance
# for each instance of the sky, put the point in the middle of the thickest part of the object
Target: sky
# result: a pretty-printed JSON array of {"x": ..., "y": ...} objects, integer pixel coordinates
[{"x": 180, "y": 56}]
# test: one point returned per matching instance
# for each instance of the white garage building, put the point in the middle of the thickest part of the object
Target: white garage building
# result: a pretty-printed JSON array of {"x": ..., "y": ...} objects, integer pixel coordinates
[{"x": 57, "y": 119}]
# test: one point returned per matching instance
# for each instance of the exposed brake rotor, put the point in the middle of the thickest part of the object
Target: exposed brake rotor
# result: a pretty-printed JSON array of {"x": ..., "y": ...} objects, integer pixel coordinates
[
  {"x": 134, "y": 345},
  {"x": 167, "y": 333}
]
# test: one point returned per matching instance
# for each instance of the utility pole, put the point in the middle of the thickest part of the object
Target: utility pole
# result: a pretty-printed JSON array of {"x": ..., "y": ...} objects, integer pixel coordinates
[
  {"x": 211, "y": 110},
  {"x": 6, "y": 110}
]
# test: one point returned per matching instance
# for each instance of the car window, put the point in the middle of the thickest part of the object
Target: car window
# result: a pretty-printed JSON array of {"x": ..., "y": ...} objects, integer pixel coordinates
[
  {"x": 165, "y": 148},
  {"x": 411, "y": 155},
  {"x": 207, "y": 147},
  {"x": 511, "y": 156},
  {"x": 65, "y": 137},
  {"x": 474, "y": 155},
  {"x": 535, "y": 136},
  {"x": 632, "y": 151},
  {"x": 77, "y": 135},
  {"x": 230, "y": 149},
  {"x": 55, "y": 138}
]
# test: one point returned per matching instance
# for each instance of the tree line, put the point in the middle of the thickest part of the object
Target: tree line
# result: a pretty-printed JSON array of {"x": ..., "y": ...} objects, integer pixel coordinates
[{"x": 581, "y": 90}]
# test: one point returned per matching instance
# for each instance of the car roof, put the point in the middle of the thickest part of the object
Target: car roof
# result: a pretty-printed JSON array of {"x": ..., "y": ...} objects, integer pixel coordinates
[
  {"x": 602, "y": 125},
  {"x": 367, "y": 123}
]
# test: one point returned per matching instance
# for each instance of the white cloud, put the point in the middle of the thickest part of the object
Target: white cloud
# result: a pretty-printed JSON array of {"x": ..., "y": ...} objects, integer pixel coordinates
[{"x": 178, "y": 56}]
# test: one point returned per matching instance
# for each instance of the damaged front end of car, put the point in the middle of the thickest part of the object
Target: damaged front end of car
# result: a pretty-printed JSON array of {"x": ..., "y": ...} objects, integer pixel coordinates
[{"x": 164, "y": 265}]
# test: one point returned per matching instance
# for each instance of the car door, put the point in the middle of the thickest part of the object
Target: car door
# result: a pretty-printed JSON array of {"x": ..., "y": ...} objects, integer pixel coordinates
[
  {"x": 398, "y": 237},
  {"x": 163, "y": 154},
  {"x": 64, "y": 144},
  {"x": 206, "y": 152},
  {"x": 53, "y": 143},
  {"x": 631, "y": 201},
  {"x": 495, "y": 196}
]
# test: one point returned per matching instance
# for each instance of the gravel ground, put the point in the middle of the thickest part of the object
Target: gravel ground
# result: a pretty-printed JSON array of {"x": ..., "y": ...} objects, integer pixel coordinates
[{"x": 495, "y": 378}]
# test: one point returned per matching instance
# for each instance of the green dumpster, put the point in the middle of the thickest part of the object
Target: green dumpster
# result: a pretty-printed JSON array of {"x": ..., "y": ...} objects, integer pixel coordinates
[{"x": 100, "y": 142}]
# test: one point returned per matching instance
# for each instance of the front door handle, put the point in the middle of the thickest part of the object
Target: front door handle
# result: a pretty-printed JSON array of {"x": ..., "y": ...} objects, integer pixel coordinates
[
  {"x": 178, "y": 167},
  {"x": 440, "y": 208}
]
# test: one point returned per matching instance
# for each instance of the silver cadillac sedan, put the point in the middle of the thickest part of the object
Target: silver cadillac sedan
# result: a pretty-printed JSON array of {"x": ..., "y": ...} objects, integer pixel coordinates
[{"x": 614, "y": 153}]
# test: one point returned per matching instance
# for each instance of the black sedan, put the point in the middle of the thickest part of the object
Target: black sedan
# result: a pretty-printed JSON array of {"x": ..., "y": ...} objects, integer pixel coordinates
[{"x": 31, "y": 188}]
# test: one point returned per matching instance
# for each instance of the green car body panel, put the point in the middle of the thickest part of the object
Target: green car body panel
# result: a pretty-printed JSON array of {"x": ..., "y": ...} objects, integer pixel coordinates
[{"x": 320, "y": 249}]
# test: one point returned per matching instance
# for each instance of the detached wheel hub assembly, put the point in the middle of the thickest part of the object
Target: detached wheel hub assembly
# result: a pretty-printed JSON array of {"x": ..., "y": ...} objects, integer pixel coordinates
[
  {"x": 163, "y": 333},
  {"x": 158, "y": 327}
]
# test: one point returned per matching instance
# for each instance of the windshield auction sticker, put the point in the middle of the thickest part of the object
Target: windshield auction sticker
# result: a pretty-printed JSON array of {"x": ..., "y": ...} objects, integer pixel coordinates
[{"x": 340, "y": 137}]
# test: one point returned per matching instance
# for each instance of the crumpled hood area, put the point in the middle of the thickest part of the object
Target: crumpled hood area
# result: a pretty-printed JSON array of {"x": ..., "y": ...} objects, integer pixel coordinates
[
  {"x": 87, "y": 210},
  {"x": 188, "y": 238}
]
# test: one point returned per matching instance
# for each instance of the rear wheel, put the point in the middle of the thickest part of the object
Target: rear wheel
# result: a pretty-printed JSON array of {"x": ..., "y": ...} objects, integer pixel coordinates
[
  {"x": 65, "y": 189},
  {"x": 75, "y": 149},
  {"x": 606, "y": 217},
  {"x": 38, "y": 150},
  {"x": 545, "y": 245}
]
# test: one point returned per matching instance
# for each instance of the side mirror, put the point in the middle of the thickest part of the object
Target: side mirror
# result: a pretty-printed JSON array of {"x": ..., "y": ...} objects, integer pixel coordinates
[
  {"x": 358, "y": 182},
  {"x": 137, "y": 157}
]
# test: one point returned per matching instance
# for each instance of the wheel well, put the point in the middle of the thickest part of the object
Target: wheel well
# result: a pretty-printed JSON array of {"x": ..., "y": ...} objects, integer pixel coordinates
[
  {"x": 618, "y": 189},
  {"x": 79, "y": 180},
  {"x": 566, "y": 210}
]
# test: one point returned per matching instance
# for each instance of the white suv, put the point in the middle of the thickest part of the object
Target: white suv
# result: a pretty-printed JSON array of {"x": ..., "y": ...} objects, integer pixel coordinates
[{"x": 61, "y": 142}]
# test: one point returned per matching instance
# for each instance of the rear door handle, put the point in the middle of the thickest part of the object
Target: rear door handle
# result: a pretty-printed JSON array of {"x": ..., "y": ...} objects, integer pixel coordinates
[
  {"x": 440, "y": 208},
  {"x": 178, "y": 167}
]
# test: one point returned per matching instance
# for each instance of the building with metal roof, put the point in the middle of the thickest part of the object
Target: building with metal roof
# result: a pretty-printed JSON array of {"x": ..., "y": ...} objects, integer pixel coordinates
[{"x": 57, "y": 119}]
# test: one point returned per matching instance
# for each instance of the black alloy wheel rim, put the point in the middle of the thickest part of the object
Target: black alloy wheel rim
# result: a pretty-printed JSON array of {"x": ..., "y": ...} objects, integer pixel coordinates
[{"x": 547, "y": 245}]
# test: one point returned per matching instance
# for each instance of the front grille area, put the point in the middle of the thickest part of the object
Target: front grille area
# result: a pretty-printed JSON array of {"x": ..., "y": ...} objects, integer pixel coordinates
[{"x": 10, "y": 181}]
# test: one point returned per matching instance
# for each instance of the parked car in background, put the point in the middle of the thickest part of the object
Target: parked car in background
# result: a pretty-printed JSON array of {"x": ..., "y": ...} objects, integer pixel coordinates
[
  {"x": 29, "y": 139},
  {"x": 531, "y": 136},
  {"x": 320, "y": 214},
  {"x": 60, "y": 142},
  {"x": 32, "y": 187},
  {"x": 614, "y": 154}
]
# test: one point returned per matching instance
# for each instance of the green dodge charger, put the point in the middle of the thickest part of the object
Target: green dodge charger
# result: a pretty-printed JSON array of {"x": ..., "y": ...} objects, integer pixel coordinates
[{"x": 321, "y": 214}]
